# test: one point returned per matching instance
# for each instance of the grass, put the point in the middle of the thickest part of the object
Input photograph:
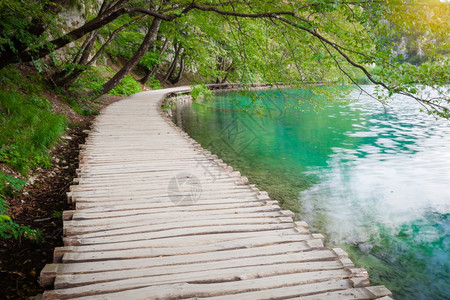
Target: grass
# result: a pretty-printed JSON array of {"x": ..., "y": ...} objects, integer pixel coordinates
[{"x": 29, "y": 129}]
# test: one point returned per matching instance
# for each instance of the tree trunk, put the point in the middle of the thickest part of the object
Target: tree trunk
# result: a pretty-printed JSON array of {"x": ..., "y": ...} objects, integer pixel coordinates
[
  {"x": 152, "y": 72},
  {"x": 8, "y": 57},
  {"x": 18, "y": 47},
  {"x": 224, "y": 79},
  {"x": 180, "y": 72},
  {"x": 88, "y": 42},
  {"x": 149, "y": 38},
  {"x": 69, "y": 75},
  {"x": 173, "y": 65},
  {"x": 70, "y": 78}
]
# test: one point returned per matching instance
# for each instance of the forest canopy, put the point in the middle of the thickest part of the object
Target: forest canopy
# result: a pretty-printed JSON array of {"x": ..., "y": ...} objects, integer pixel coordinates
[{"x": 399, "y": 45}]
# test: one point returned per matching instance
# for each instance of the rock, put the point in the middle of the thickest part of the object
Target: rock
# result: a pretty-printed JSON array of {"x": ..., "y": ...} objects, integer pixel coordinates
[
  {"x": 66, "y": 137},
  {"x": 365, "y": 247},
  {"x": 31, "y": 180}
]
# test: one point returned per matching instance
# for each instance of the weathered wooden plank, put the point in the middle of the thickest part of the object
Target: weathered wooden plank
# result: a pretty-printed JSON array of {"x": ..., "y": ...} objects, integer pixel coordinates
[
  {"x": 207, "y": 273},
  {"x": 139, "y": 263},
  {"x": 167, "y": 203},
  {"x": 136, "y": 203},
  {"x": 179, "y": 225},
  {"x": 165, "y": 191},
  {"x": 356, "y": 293},
  {"x": 166, "y": 194},
  {"x": 73, "y": 228},
  {"x": 93, "y": 225},
  {"x": 162, "y": 196},
  {"x": 185, "y": 241},
  {"x": 170, "y": 217},
  {"x": 211, "y": 183},
  {"x": 214, "y": 229},
  {"x": 143, "y": 288},
  {"x": 89, "y": 253},
  {"x": 296, "y": 291},
  {"x": 217, "y": 209}
]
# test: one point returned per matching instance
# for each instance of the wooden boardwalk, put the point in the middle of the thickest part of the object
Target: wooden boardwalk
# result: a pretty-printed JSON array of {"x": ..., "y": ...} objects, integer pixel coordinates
[{"x": 158, "y": 217}]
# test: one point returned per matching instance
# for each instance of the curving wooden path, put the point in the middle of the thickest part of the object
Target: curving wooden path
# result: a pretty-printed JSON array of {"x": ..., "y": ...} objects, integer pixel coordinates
[{"x": 158, "y": 217}]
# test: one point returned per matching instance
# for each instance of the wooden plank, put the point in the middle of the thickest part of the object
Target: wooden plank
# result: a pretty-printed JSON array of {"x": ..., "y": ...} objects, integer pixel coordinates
[
  {"x": 125, "y": 204},
  {"x": 296, "y": 291},
  {"x": 93, "y": 225},
  {"x": 155, "y": 182},
  {"x": 160, "y": 197},
  {"x": 72, "y": 228},
  {"x": 168, "y": 203},
  {"x": 81, "y": 240},
  {"x": 143, "y": 288},
  {"x": 179, "y": 225},
  {"x": 185, "y": 241},
  {"x": 212, "y": 209},
  {"x": 162, "y": 192},
  {"x": 139, "y": 263},
  {"x": 207, "y": 273},
  {"x": 356, "y": 293},
  {"x": 88, "y": 253}
]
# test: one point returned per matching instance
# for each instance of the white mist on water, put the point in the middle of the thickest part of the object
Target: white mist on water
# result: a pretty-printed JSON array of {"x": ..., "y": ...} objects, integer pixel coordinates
[{"x": 399, "y": 172}]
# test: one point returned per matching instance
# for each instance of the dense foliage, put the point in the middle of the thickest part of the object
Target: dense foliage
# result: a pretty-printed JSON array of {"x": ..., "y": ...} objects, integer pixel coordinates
[
  {"x": 83, "y": 49},
  {"x": 401, "y": 45}
]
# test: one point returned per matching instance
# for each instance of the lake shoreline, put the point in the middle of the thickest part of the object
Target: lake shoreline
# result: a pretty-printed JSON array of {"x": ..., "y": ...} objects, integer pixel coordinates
[{"x": 213, "y": 116}]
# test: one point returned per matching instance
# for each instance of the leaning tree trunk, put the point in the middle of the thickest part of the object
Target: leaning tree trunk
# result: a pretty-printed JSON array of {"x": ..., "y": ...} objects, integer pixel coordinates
[
  {"x": 148, "y": 40},
  {"x": 152, "y": 71},
  {"x": 8, "y": 57},
  {"x": 68, "y": 76},
  {"x": 224, "y": 79},
  {"x": 173, "y": 65},
  {"x": 180, "y": 72},
  {"x": 72, "y": 76}
]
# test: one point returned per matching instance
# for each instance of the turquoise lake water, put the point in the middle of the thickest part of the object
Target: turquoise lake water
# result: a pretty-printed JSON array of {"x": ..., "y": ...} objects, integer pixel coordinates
[{"x": 375, "y": 180}]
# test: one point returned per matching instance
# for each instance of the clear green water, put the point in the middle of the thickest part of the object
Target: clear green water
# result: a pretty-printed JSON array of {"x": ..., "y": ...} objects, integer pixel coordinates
[{"x": 374, "y": 180}]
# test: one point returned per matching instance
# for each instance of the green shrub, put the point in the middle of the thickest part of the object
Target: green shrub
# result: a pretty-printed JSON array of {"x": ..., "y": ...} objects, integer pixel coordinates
[
  {"x": 154, "y": 83},
  {"x": 128, "y": 86},
  {"x": 90, "y": 81},
  {"x": 149, "y": 60},
  {"x": 201, "y": 92},
  {"x": 90, "y": 112}
]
